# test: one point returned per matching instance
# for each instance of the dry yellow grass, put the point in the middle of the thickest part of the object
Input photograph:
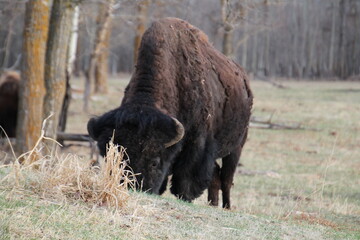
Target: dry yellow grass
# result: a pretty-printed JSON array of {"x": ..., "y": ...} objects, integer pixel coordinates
[{"x": 68, "y": 178}]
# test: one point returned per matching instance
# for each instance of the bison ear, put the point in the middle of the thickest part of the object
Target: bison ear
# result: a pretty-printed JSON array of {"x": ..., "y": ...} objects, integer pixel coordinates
[
  {"x": 100, "y": 124},
  {"x": 93, "y": 128}
]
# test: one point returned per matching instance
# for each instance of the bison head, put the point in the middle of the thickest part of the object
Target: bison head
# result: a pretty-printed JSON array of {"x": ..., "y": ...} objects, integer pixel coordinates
[{"x": 149, "y": 137}]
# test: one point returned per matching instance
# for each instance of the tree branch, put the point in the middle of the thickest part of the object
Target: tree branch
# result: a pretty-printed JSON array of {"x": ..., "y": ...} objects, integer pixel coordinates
[{"x": 268, "y": 124}]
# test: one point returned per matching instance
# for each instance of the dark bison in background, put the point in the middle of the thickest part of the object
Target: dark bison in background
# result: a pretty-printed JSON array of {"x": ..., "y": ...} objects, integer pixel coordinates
[
  {"x": 9, "y": 91},
  {"x": 185, "y": 106}
]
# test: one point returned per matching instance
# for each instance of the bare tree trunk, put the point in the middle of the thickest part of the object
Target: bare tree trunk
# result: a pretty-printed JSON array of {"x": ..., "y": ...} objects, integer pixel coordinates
[
  {"x": 228, "y": 41},
  {"x": 73, "y": 41},
  {"x": 304, "y": 40},
  {"x": 262, "y": 40},
  {"x": 69, "y": 70},
  {"x": 243, "y": 14},
  {"x": 141, "y": 24},
  {"x": 332, "y": 39},
  {"x": 101, "y": 35},
  {"x": 56, "y": 63},
  {"x": 227, "y": 44},
  {"x": 312, "y": 39},
  {"x": 342, "y": 39},
  {"x": 296, "y": 56},
  {"x": 8, "y": 41},
  {"x": 32, "y": 90},
  {"x": 101, "y": 68},
  {"x": 65, "y": 104},
  {"x": 356, "y": 46},
  {"x": 254, "y": 50},
  {"x": 267, "y": 41}
]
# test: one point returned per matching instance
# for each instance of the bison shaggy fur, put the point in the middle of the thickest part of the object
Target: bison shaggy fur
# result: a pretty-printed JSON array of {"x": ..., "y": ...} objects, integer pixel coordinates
[
  {"x": 9, "y": 91},
  {"x": 186, "y": 105}
]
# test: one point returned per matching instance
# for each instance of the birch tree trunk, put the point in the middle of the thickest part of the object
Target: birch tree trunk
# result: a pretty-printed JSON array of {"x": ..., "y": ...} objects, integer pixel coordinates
[
  {"x": 56, "y": 64},
  {"x": 73, "y": 41},
  {"x": 69, "y": 69},
  {"x": 32, "y": 90}
]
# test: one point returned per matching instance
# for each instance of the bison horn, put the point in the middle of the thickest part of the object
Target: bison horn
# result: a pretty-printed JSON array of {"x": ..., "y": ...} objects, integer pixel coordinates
[{"x": 180, "y": 134}]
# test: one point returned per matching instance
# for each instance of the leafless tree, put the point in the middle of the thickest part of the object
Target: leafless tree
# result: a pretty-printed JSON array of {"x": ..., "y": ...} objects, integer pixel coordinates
[
  {"x": 292, "y": 38},
  {"x": 142, "y": 9},
  {"x": 56, "y": 63},
  {"x": 32, "y": 83},
  {"x": 98, "y": 60}
]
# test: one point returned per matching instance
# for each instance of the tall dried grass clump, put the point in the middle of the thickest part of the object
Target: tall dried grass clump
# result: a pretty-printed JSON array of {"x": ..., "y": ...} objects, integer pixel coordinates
[
  {"x": 69, "y": 178},
  {"x": 116, "y": 177}
]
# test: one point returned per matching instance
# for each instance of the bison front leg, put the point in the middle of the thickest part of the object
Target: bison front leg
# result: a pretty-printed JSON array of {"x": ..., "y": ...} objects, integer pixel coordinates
[
  {"x": 192, "y": 172},
  {"x": 214, "y": 188},
  {"x": 163, "y": 186},
  {"x": 228, "y": 168}
]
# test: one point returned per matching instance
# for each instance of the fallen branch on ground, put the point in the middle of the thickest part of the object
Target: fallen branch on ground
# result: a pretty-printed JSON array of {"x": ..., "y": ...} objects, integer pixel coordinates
[
  {"x": 272, "y": 82},
  {"x": 248, "y": 172},
  {"x": 268, "y": 124},
  {"x": 62, "y": 136}
]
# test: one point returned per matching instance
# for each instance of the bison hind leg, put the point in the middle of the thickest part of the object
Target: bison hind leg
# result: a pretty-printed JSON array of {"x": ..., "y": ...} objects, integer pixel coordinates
[
  {"x": 228, "y": 169},
  {"x": 214, "y": 188}
]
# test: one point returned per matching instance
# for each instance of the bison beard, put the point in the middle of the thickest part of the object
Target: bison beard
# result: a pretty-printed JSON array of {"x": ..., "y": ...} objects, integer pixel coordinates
[
  {"x": 9, "y": 90},
  {"x": 185, "y": 106}
]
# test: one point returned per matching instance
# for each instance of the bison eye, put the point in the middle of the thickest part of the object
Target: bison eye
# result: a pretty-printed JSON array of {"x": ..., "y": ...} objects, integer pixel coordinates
[{"x": 155, "y": 162}]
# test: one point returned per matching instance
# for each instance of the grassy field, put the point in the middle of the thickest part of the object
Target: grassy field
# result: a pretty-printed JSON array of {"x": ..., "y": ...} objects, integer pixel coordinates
[{"x": 294, "y": 184}]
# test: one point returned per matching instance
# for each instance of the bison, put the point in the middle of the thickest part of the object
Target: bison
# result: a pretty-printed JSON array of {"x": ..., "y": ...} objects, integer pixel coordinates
[
  {"x": 9, "y": 91},
  {"x": 185, "y": 106}
]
